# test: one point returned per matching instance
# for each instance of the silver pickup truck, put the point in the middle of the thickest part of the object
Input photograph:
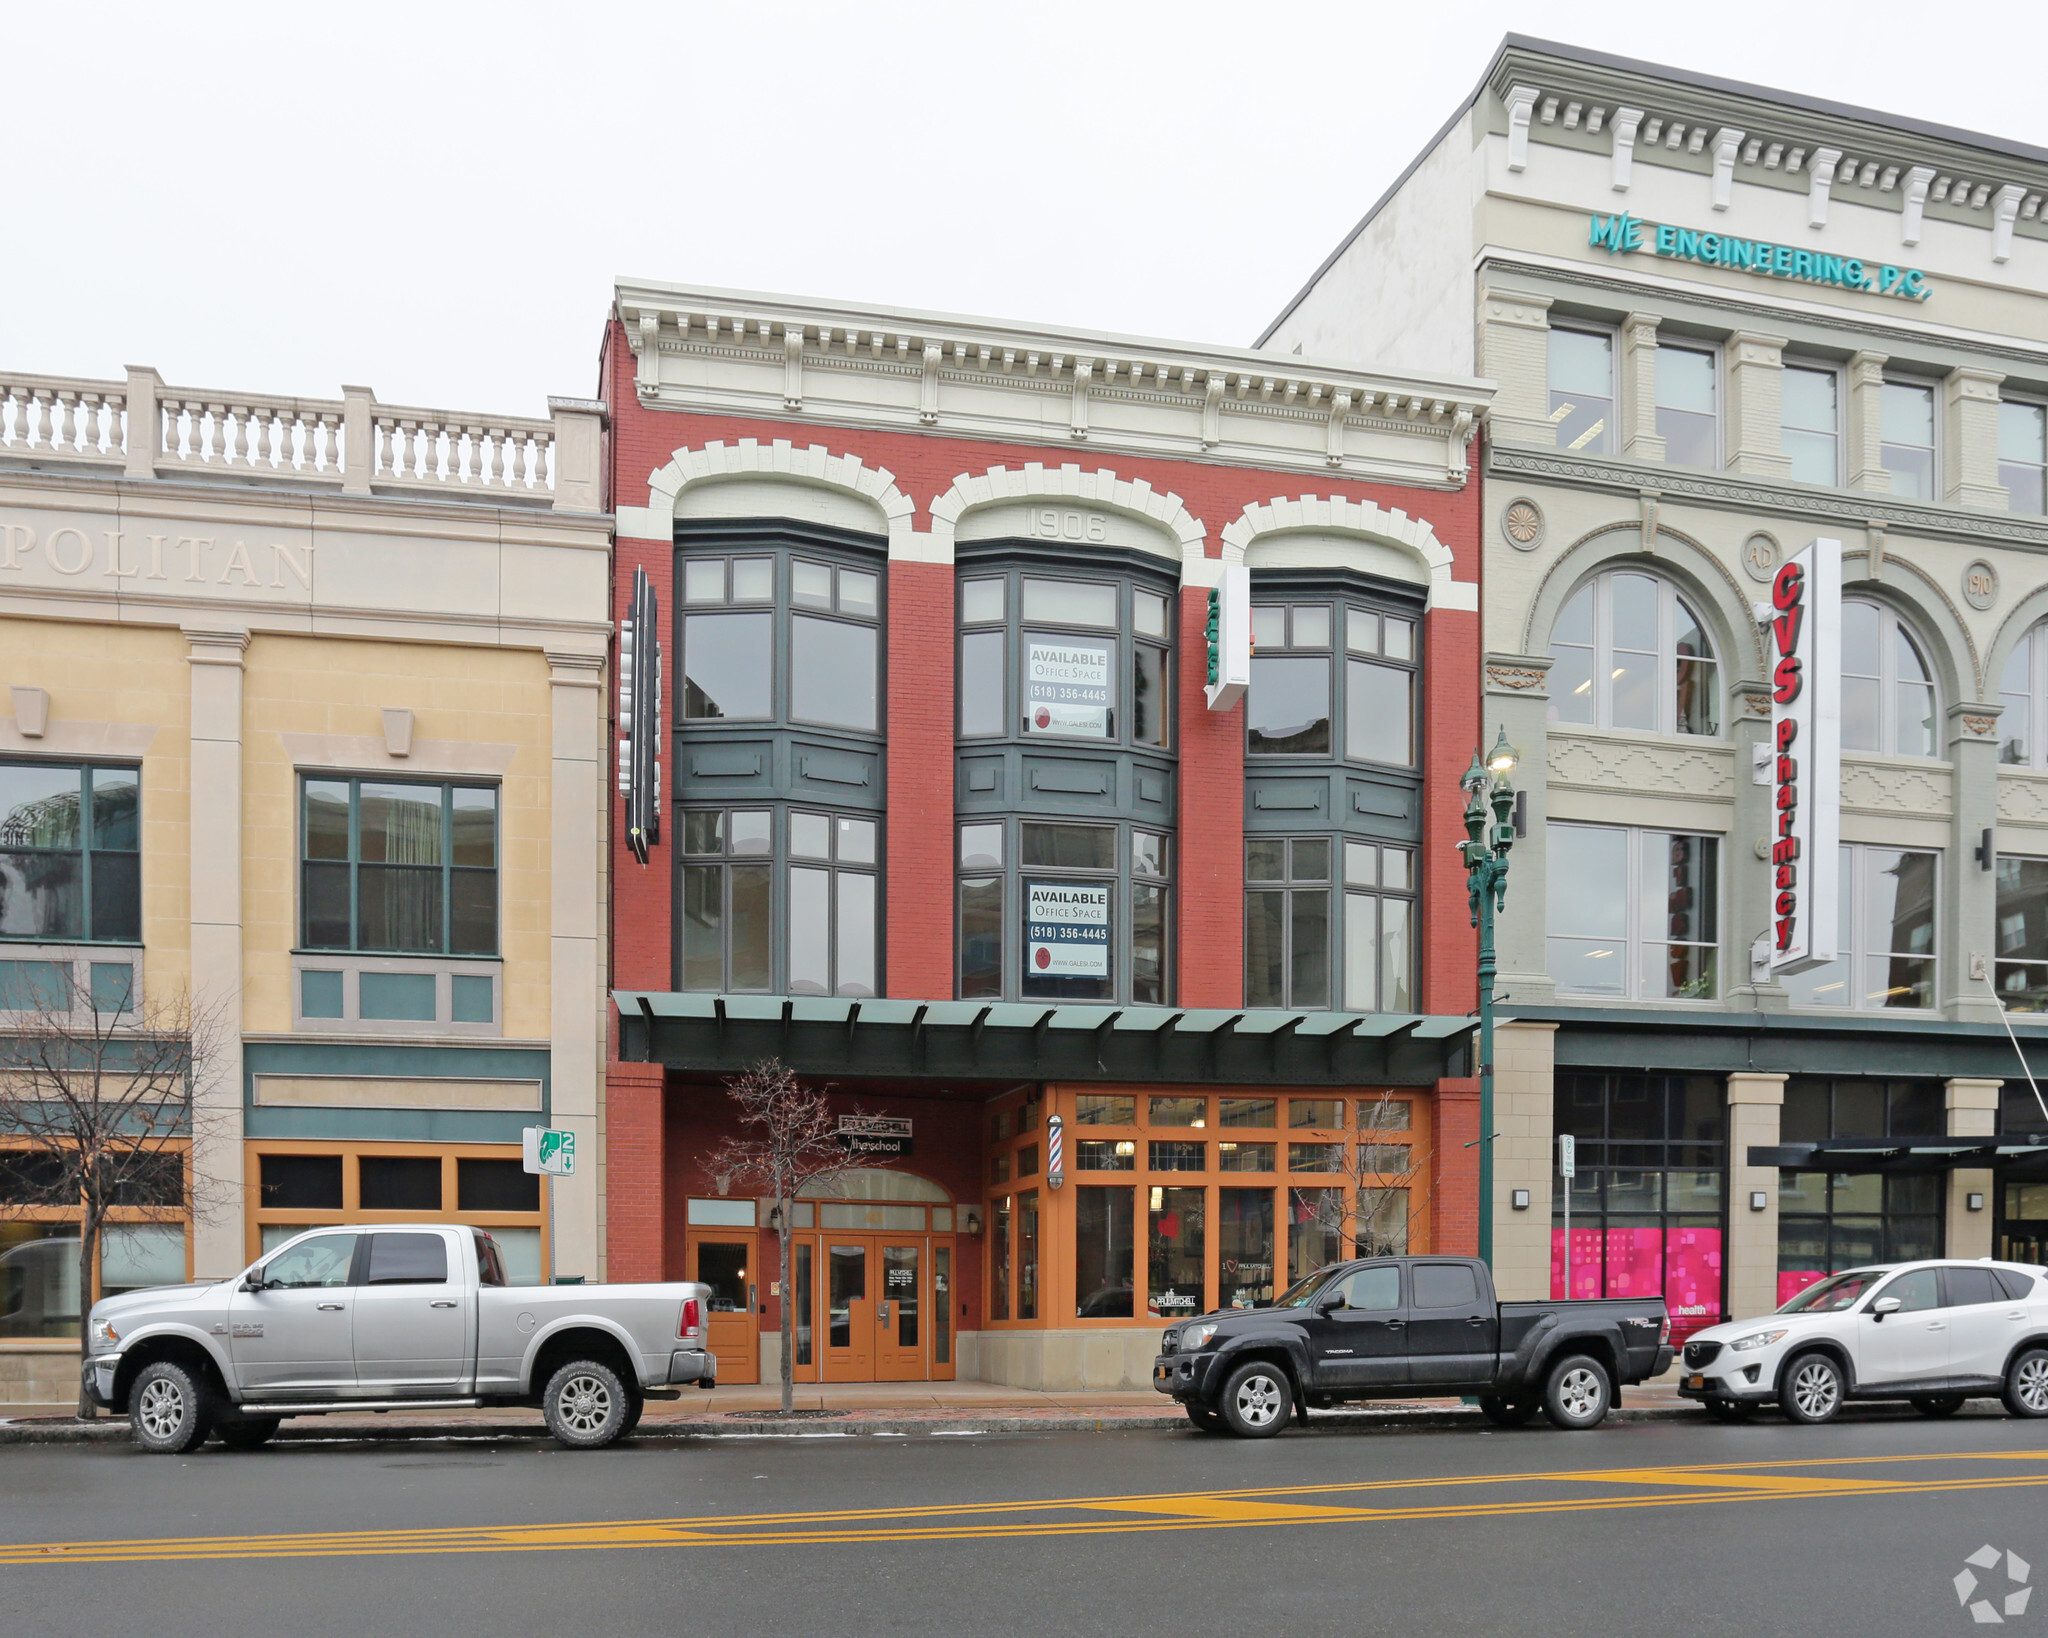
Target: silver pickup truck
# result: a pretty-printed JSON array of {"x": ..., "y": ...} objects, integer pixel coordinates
[{"x": 402, "y": 1316}]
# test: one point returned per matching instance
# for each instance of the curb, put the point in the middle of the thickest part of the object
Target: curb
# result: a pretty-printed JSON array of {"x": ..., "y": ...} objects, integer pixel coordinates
[{"x": 309, "y": 1430}]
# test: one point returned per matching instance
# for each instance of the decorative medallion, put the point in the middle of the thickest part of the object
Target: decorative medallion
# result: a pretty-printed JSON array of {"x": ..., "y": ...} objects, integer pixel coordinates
[
  {"x": 1522, "y": 523},
  {"x": 1514, "y": 676},
  {"x": 1760, "y": 557},
  {"x": 1980, "y": 585},
  {"x": 1980, "y": 726}
]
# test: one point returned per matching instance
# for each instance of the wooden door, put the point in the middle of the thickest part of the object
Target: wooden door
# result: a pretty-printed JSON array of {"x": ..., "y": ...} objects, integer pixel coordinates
[
  {"x": 726, "y": 1264},
  {"x": 901, "y": 1309},
  {"x": 848, "y": 1281}
]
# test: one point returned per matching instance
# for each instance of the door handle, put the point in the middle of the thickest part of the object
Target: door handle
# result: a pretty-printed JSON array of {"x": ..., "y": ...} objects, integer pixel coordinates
[
  {"x": 1395, "y": 1325},
  {"x": 1476, "y": 1319},
  {"x": 330, "y": 1307},
  {"x": 441, "y": 1304},
  {"x": 1937, "y": 1325}
]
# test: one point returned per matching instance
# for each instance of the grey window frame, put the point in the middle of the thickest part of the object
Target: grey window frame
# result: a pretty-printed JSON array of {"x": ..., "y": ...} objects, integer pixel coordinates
[
  {"x": 1388, "y": 986},
  {"x": 1854, "y": 941},
  {"x": 1641, "y": 903},
  {"x": 1339, "y": 606},
  {"x": 2037, "y": 468},
  {"x": 88, "y": 825},
  {"x": 1285, "y": 888},
  {"x": 448, "y": 868},
  {"x": 1932, "y": 388},
  {"x": 1607, "y": 441},
  {"x": 1816, "y": 366},
  {"x": 1711, "y": 351},
  {"x": 1670, "y": 598}
]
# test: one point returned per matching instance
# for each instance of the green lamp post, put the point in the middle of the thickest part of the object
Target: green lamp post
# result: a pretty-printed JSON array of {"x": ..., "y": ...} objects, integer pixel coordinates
[{"x": 1486, "y": 785}]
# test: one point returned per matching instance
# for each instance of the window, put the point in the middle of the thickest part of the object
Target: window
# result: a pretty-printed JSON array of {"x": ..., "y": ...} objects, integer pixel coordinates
[
  {"x": 2023, "y": 454},
  {"x": 70, "y": 852},
  {"x": 1290, "y": 709},
  {"x": 1104, "y": 1253},
  {"x": 1646, "y": 1205},
  {"x": 1629, "y": 652},
  {"x": 1582, "y": 388},
  {"x": 1686, "y": 400},
  {"x": 1379, "y": 917},
  {"x": 2021, "y": 919},
  {"x": 1105, "y": 1155},
  {"x": 1027, "y": 1254},
  {"x": 1071, "y": 647},
  {"x": 730, "y": 612},
  {"x": 1633, "y": 914},
  {"x": 1810, "y": 417},
  {"x": 826, "y": 940},
  {"x": 1885, "y": 934},
  {"x": 2023, "y": 691},
  {"x": 319, "y": 1264},
  {"x": 1105, "y": 1109},
  {"x": 1888, "y": 703},
  {"x": 1287, "y": 921},
  {"x": 399, "y": 867},
  {"x": 1906, "y": 437},
  {"x": 1445, "y": 1285},
  {"x": 407, "y": 1259},
  {"x": 1176, "y": 1263},
  {"x": 1086, "y": 929},
  {"x": 1244, "y": 1247},
  {"x": 1829, "y": 1223}
]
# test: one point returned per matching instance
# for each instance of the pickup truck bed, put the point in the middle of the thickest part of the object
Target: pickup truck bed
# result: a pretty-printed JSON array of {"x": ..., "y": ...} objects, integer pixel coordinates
[{"x": 1404, "y": 1328}]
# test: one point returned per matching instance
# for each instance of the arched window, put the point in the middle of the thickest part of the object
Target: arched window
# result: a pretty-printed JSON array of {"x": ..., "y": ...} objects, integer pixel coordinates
[
  {"x": 2023, "y": 691},
  {"x": 1888, "y": 703},
  {"x": 1629, "y": 652}
]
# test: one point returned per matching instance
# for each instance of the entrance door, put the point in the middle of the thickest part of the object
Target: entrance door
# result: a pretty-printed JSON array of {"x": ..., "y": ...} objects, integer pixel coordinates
[
  {"x": 899, "y": 1315},
  {"x": 849, "y": 1341},
  {"x": 734, "y": 1334}
]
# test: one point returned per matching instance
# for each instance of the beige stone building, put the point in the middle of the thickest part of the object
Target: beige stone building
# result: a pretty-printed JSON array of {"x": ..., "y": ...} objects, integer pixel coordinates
[
  {"x": 1724, "y": 323},
  {"x": 302, "y": 715}
]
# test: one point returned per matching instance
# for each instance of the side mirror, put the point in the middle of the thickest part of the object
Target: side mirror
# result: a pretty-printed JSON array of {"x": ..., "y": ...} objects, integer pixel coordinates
[
  {"x": 1329, "y": 1300},
  {"x": 1884, "y": 1306},
  {"x": 253, "y": 1280}
]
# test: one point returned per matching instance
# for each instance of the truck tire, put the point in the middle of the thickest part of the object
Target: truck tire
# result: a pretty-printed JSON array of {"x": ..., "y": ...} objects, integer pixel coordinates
[
  {"x": 2026, "y": 1384},
  {"x": 1811, "y": 1389},
  {"x": 169, "y": 1410},
  {"x": 1577, "y": 1394},
  {"x": 1507, "y": 1413},
  {"x": 1937, "y": 1405},
  {"x": 1205, "y": 1420},
  {"x": 586, "y": 1405},
  {"x": 1257, "y": 1401},
  {"x": 252, "y": 1434},
  {"x": 633, "y": 1414}
]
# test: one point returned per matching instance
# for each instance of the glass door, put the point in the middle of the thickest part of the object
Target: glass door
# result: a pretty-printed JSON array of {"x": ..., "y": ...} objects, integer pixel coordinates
[
  {"x": 899, "y": 1315},
  {"x": 849, "y": 1349},
  {"x": 732, "y": 1331}
]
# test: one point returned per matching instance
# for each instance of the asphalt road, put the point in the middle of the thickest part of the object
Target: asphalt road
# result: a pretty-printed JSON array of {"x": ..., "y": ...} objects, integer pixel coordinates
[{"x": 1861, "y": 1527}]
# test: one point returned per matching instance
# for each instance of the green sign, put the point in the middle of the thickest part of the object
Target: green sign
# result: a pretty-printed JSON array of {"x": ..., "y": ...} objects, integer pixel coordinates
[
  {"x": 1624, "y": 234},
  {"x": 550, "y": 1150}
]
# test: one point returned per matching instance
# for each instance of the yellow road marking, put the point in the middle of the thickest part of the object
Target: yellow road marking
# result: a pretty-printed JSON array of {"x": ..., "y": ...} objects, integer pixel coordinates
[{"x": 1263, "y": 1507}]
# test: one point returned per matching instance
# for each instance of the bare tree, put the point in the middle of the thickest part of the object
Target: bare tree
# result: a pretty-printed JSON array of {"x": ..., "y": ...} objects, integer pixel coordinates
[
  {"x": 1381, "y": 1178},
  {"x": 96, "y": 1112},
  {"x": 795, "y": 1145}
]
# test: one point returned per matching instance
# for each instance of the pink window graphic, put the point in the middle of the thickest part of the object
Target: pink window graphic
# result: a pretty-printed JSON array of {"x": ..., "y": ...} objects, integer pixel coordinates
[{"x": 1683, "y": 1266}]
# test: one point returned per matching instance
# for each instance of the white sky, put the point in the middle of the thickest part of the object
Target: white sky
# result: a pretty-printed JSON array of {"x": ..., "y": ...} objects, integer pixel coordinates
[{"x": 432, "y": 200}]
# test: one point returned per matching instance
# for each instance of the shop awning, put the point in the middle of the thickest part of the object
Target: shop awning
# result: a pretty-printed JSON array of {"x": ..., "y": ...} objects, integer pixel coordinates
[
  {"x": 1014, "y": 1041},
  {"x": 1924, "y": 1155}
]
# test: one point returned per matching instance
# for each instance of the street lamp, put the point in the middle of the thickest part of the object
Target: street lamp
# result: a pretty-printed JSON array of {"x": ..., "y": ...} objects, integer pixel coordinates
[{"x": 1486, "y": 784}]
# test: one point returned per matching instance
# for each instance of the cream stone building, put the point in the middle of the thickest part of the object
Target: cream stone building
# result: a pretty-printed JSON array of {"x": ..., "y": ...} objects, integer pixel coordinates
[
  {"x": 1726, "y": 322},
  {"x": 302, "y": 715}
]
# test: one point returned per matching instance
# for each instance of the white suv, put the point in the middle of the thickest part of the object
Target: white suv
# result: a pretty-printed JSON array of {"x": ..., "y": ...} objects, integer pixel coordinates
[{"x": 1934, "y": 1333}]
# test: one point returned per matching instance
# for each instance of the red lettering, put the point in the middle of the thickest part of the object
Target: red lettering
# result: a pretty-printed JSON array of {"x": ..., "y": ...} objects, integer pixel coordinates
[
  {"x": 1785, "y": 590},
  {"x": 1788, "y": 797},
  {"x": 1787, "y": 903},
  {"x": 1788, "y": 875},
  {"x": 1786, "y": 821},
  {"x": 1788, "y": 770},
  {"x": 1786, "y": 628},
  {"x": 1787, "y": 677},
  {"x": 1785, "y": 933},
  {"x": 1788, "y": 731},
  {"x": 1785, "y": 851}
]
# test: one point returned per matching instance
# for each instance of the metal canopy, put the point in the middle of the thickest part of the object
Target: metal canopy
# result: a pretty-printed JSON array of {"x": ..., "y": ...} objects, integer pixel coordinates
[
  {"x": 1923, "y": 1155},
  {"x": 1039, "y": 1040}
]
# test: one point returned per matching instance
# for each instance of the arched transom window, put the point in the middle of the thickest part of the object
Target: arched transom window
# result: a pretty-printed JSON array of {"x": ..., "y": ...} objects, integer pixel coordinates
[
  {"x": 1888, "y": 703},
  {"x": 1629, "y": 652}
]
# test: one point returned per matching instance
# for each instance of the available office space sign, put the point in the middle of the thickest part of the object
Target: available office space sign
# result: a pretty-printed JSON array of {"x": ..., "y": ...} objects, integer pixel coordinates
[
  {"x": 1066, "y": 929},
  {"x": 1623, "y": 235},
  {"x": 1805, "y": 646},
  {"x": 1067, "y": 687}
]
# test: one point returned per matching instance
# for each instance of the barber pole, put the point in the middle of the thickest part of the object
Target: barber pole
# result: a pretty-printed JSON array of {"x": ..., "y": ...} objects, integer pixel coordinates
[{"x": 1055, "y": 1152}]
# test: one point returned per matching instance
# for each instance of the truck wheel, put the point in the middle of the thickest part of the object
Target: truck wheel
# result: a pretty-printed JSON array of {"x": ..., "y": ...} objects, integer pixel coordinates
[
  {"x": 1205, "y": 1420},
  {"x": 1578, "y": 1394},
  {"x": 1507, "y": 1413},
  {"x": 250, "y": 1435},
  {"x": 168, "y": 1410},
  {"x": 586, "y": 1405},
  {"x": 1937, "y": 1404},
  {"x": 633, "y": 1414},
  {"x": 1257, "y": 1400},
  {"x": 2026, "y": 1384},
  {"x": 1811, "y": 1389}
]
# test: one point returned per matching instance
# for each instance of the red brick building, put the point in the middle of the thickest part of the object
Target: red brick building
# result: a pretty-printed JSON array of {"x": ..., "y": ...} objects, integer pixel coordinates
[{"x": 1136, "y": 994}]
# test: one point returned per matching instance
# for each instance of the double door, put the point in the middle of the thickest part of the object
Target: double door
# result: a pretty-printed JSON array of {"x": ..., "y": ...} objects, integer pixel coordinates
[{"x": 872, "y": 1307}]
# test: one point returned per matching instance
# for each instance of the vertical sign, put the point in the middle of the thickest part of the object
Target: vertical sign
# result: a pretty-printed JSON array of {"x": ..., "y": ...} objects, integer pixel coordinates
[
  {"x": 1230, "y": 638},
  {"x": 1567, "y": 1168},
  {"x": 1805, "y": 649},
  {"x": 640, "y": 717}
]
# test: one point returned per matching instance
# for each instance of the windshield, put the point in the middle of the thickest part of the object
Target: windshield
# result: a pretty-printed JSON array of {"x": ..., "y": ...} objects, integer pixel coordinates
[
  {"x": 1299, "y": 1294},
  {"x": 1836, "y": 1292}
]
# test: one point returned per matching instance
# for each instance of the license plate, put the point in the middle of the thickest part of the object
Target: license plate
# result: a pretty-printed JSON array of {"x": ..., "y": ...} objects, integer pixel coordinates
[{"x": 1695, "y": 1382}]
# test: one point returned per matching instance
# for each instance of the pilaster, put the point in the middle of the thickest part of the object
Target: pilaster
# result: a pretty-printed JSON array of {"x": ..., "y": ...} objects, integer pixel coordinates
[
  {"x": 576, "y": 1006},
  {"x": 216, "y": 657},
  {"x": 1969, "y": 467},
  {"x": 1865, "y": 428},
  {"x": 1524, "y": 1100},
  {"x": 1972, "y": 1113},
  {"x": 1755, "y": 416},
  {"x": 1972, "y": 886},
  {"x": 1750, "y": 1261},
  {"x": 1748, "y": 877},
  {"x": 1637, "y": 410},
  {"x": 1514, "y": 349}
]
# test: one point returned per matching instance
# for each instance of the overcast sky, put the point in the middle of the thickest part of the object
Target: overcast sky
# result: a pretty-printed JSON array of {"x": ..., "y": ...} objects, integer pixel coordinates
[{"x": 433, "y": 200}]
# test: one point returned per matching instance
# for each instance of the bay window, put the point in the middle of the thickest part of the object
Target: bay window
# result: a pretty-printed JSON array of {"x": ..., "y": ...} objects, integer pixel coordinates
[
  {"x": 1093, "y": 658},
  {"x": 727, "y": 628},
  {"x": 1293, "y": 705},
  {"x": 1633, "y": 914},
  {"x": 1301, "y": 923},
  {"x": 779, "y": 899}
]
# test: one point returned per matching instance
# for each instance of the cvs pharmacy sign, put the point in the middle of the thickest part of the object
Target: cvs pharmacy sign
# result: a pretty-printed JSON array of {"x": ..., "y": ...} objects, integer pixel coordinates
[{"x": 1805, "y": 650}]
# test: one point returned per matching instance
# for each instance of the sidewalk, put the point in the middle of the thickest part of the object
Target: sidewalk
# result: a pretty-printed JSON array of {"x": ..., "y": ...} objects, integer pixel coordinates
[{"x": 835, "y": 1410}]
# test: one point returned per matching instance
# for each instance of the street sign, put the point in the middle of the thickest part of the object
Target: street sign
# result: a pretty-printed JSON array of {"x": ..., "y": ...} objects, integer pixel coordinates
[
  {"x": 1567, "y": 1155},
  {"x": 549, "y": 1151}
]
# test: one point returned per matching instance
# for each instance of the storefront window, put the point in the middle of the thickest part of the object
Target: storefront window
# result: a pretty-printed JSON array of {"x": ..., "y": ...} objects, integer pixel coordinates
[
  {"x": 1105, "y": 1155},
  {"x": 1104, "y": 1253},
  {"x": 1027, "y": 1254},
  {"x": 1315, "y": 1234},
  {"x": 1244, "y": 1245},
  {"x": 1829, "y": 1223},
  {"x": 1105, "y": 1109},
  {"x": 1254, "y": 1112},
  {"x": 999, "y": 1258},
  {"x": 399, "y": 867},
  {"x": 1244, "y": 1157},
  {"x": 1176, "y": 1264},
  {"x": 70, "y": 859}
]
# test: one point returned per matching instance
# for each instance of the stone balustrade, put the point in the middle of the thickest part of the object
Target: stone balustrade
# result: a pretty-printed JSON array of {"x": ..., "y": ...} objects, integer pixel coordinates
[{"x": 141, "y": 428}]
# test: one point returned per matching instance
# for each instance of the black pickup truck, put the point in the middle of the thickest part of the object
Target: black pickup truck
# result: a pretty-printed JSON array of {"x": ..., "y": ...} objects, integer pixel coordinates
[{"x": 1409, "y": 1328}]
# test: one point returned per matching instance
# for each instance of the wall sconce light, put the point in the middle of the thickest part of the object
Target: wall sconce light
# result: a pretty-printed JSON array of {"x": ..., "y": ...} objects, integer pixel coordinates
[
  {"x": 775, "y": 1219},
  {"x": 973, "y": 1223},
  {"x": 1519, "y": 1199},
  {"x": 1975, "y": 1202},
  {"x": 1759, "y": 1200}
]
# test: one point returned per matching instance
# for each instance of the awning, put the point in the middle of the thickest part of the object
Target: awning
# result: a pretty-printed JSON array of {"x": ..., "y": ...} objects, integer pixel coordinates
[
  {"x": 983, "y": 1040},
  {"x": 1922, "y": 1155}
]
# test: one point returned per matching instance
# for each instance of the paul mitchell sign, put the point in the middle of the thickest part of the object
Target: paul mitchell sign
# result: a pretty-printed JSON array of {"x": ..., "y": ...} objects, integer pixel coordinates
[{"x": 1805, "y": 649}]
